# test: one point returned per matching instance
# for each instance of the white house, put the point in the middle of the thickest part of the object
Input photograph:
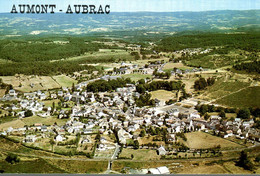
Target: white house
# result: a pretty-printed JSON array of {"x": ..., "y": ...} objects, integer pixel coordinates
[{"x": 59, "y": 138}]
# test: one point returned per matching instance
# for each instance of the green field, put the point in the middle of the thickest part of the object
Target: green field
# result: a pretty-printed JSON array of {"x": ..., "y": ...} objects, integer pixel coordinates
[
  {"x": 31, "y": 166},
  {"x": 136, "y": 77},
  {"x": 139, "y": 154},
  {"x": 242, "y": 99}
]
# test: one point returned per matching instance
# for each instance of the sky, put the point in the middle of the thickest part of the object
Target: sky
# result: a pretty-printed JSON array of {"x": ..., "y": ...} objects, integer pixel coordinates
[{"x": 144, "y": 5}]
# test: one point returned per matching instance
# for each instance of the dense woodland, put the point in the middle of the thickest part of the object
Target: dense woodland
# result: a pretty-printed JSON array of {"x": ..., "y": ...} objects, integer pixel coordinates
[{"x": 248, "y": 42}]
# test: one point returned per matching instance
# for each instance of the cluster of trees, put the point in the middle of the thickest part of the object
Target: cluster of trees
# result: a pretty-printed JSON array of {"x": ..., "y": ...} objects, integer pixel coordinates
[
  {"x": 28, "y": 113},
  {"x": 110, "y": 85},
  {"x": 134, "y": 143},
  {"x": 43, "y": 68},
  {"x": 156, "y": 85},
  {"x": 175, "y": 43},
  {"x": 211, "y": 108},
  {"x": 249, "y": 66},
  {"x": 12, "y": 158},
  {"x": 202, "y": 83},
  {"x": 244, "y": 161},
  {"x": 145, "y": 100}
]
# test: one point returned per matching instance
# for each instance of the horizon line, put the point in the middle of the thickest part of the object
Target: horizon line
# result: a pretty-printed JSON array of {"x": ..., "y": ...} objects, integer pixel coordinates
[{"x": 146, "y": 11}]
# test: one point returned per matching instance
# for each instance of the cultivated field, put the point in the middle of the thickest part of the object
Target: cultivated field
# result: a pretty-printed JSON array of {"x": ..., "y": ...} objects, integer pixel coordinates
[
  {"x": 201, "y": 140},
  {"x": 33, "y": 83},
  {"x": 30, "y": 83}
]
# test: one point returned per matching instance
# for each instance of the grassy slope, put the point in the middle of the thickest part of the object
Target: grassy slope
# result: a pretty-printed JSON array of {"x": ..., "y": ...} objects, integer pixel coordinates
[
  {"x": 242, "y": 99},
  {"x": 222, "y": 88}
]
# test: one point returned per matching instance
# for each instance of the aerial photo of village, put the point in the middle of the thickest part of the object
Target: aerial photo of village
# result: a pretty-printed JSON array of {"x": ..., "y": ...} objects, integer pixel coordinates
[{"x": 130, "y": 92}]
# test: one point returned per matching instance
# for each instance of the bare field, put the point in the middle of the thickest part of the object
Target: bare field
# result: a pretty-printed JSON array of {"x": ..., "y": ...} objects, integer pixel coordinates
[
  {"x": 163, "y": 95},
  {"x": 201, "y": 140}
]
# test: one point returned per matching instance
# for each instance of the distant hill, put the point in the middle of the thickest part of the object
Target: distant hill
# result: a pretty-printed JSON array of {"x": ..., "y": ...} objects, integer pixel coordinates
[{"x": 147, "y": 22}]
